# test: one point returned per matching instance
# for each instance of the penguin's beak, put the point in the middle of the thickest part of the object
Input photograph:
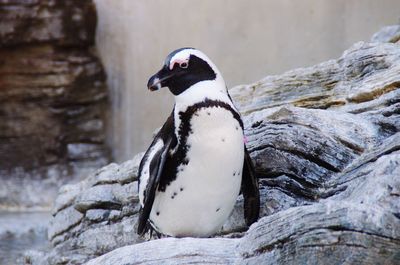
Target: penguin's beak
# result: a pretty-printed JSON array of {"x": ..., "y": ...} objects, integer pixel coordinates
[
  {"x": 154, "y": 83},
  {"x": 158, "y": 80}
]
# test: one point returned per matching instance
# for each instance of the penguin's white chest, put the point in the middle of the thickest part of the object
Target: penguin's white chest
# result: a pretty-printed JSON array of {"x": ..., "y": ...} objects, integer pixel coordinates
[{"x": 202, "y": 196}]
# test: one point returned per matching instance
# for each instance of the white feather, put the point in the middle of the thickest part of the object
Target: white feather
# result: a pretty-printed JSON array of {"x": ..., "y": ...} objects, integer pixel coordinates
[{"x": 145, "y": 173}]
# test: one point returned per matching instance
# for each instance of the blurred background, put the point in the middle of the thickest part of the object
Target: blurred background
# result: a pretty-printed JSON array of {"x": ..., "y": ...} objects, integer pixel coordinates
[{"x": 73, "y": 78}]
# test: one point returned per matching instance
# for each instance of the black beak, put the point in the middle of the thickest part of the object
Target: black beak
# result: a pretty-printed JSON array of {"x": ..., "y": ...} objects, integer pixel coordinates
[
  {"x": 154, "y": 83},
  {"x": 157, "y": 81}
]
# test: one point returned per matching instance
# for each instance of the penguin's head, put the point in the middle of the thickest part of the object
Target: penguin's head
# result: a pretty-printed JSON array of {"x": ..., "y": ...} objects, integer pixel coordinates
[{"x": 182, "y": 69}]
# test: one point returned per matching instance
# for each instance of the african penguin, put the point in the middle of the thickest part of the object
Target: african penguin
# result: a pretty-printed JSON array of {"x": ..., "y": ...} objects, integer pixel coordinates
[{"x": 197, "y": 164}]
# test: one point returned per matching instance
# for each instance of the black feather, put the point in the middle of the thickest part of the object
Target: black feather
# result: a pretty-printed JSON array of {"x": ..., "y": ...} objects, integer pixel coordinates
[{"x": 251, "y": 193}]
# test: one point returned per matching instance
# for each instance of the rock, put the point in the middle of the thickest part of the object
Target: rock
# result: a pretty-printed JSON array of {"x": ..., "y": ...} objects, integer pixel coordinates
[
  {"x": 197, "y": 251},
  {"x": 387, "y": 34},
  {"x": 325, "y": 141},
  {"x": 94, "y": 216},
  {"x": 102, "y": 196},
  {"x": 64, "y": 221},
  {"x": 66, "y": 23},
  {"x": 122, "y": 174},
  {"x": 53, "y": 100},
  {"x": 98, "y": 215},
  {"x": 345, "y": 227}
]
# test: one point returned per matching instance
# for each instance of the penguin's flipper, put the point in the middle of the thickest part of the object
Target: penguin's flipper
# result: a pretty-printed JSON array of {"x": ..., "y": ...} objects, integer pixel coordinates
[
  {"x": 250, "y": 191},
  {"x": 154, "y": 160}
]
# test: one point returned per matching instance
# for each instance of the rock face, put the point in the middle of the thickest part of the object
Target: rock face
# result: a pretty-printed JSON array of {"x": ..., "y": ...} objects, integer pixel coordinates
[
  {"x": 326, "y": 145},
  {"x": 52, "y": 99},
  {"x": 63, "y": 23}
]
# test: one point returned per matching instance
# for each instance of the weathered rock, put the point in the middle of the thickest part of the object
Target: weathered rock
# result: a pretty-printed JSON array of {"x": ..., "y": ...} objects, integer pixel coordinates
[
  {"x": 197, "y": 251},
  {"x": 387, "y": 34},
  {"x": 64, "y": 221},
  {"x": 357, "y": 226},
  {"x": 67, "y": 23},
  {"x": 53, "y": 100},
  {"x": 326, "y": 145},
  {"x": 94, "y": 216}
]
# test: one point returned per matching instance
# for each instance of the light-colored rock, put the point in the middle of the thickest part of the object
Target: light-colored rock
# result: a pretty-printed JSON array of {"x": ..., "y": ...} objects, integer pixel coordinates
[
  {"x": 387, "y": 34},
  {"x": 102, "y": 196},
  {"x": 197, "y": 251},
  {"x": 364, "y": 73},
  {"x": 63, "y": 221}
]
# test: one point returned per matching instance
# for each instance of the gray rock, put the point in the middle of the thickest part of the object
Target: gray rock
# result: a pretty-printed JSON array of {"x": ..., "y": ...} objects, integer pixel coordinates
[
  {"x": 67, "y": 195},
  {"x": 102, "y": 196},
  {"x": 97, "y": 215},
  {"x": 63, "y": 221},
  {"x": 124, "y": 173},
  {"x": 387, "y": 34},
  {"x": 325, "y": 141},
  {"x": 348, "y": 227},
  {"x": 196, "y": 251}
]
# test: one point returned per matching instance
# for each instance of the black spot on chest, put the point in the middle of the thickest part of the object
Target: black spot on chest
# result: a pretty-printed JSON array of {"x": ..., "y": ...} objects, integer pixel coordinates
[{"x": 177, "y": 161}]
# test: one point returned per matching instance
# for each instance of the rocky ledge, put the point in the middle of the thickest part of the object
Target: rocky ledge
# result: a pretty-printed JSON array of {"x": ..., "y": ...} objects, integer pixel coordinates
[{"x": 326, "y": 144}]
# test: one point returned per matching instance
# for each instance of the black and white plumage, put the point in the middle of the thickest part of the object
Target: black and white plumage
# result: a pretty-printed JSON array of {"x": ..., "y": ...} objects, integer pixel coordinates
[{"x": 194, "y": 169}]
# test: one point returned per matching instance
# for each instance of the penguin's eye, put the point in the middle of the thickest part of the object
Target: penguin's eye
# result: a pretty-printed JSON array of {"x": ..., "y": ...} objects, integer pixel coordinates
[
  {"x": 178, "y": 62},
  {"x": 183, "y": 65}
]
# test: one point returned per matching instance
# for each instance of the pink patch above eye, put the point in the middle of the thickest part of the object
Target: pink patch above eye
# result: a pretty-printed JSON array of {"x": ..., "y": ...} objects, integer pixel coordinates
[
  {"x": 176, "y": 61},
  {"x": 245, "y": 139}
]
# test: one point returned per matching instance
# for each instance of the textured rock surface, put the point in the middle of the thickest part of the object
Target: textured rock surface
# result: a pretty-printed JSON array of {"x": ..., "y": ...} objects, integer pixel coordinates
[
  {"x": 387, "y": 34},
  {"x": 94, "y": 216},
  {"x": 326, "y": 145},
  {"x": 66, "y": 23},
  {"x": 52, "y": 99}
]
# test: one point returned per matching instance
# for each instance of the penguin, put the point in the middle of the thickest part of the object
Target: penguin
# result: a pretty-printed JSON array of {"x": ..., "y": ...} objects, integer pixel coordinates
[{"x": 197, "y": 164}]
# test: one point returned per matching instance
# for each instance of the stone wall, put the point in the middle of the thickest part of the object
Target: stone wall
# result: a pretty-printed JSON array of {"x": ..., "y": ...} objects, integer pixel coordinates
[{"x": 53, "y": 99}]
